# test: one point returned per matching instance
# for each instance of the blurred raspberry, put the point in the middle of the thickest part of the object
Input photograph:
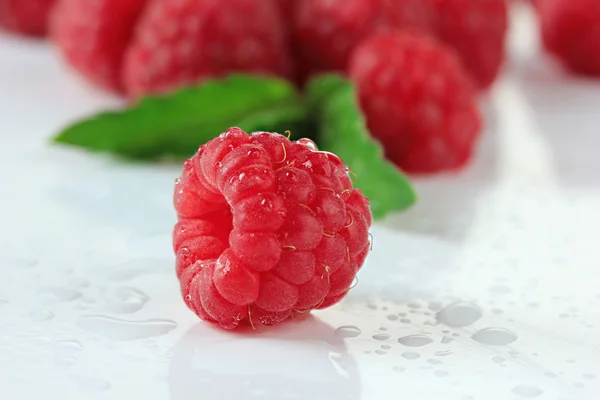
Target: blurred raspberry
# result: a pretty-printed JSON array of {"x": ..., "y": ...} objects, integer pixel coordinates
[
  {"x": 267, "y": 228},
  {"x": 183, "y": 42},
  {"x": 92, "y": 36},
  {"x": 28, "y": 17},
  {"x": 418, "y": 101},
  {"x": 476, "y": 29},
  {"x": 571, "y": 31},
  {"x": 326, "y": 32}
]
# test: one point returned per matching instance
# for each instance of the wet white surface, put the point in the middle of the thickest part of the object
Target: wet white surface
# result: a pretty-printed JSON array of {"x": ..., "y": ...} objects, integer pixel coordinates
[{"x": 488, "y": 289}]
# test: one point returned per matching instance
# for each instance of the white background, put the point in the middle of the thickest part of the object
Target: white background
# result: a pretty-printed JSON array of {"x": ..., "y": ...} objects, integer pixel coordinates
[{"x": 90, "y": 306}]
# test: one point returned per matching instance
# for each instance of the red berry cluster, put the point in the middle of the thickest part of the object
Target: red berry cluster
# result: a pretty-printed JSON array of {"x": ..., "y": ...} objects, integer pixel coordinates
[
  {"x": 418, "y": 64},
  {"x": 267, "y": 228}
]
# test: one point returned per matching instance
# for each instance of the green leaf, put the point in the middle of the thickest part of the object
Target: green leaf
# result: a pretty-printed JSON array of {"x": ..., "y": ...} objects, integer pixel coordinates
[
  {"x": 342, "y": 131},
  {"x": 175, "y": 125}
]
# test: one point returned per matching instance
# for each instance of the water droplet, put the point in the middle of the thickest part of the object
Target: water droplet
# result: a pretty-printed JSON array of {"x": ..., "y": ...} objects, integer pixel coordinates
[
  {"x": 399, "y": 369},
  {"x": 497, "y": 311},
  {"x": 588, "y": 376},
  {"x": 126, "y": 300},
  {"x": 381, "y": 336},
  {"x": 41, "y": 315},
  {"x": 494, "y": 336},
  {"x": 498, "y": 359},
  {"x": 415, "y": 340},
  {"x": 380, "y": 352},
  {"x": 414, "y": 305},
  {"x": 57, "y": 293},
  {"x": 409, "y": 355},
  {"x": 434, "y": 305},
  {"x": 527, "y": 391},
  {"x": 4, "y": 300},
  {"x": 405, "y": 320},
  {"x": 383, "y": 328},
  {"x": 117, "y": 329},
  {"x": 91, "y": 384},
  {"x": 347, "y": 331},
  {"x": 308, "y": 143},
  {"x": 372, "y": 306},
  {"x": 570, "y": 361},
  {"x": 446, "y": 340},
  {"x": 500, "y": 289},
  {"x": 579, "y": 385},
  {"x": 459, "y": 314},
  {"x": 68, "y": 347},
  {"x": 440, "y": 373},
  {"x": 433, "y": 361},
  {"x": 402, "y": 314},
  {"x": 392, "y": 317},
  {"x": 443, "y": 353},
  {"x": 386, "y": 346},
  {"x": 551, "y": 375}
]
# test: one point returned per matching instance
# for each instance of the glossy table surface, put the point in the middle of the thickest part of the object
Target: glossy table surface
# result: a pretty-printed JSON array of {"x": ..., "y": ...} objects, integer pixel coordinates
[{"x": 487, "y": 289}]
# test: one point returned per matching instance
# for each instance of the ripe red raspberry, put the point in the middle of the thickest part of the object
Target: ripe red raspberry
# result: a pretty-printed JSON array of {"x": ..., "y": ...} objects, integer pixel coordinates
[
  {"x": 326, "y": 32},
  {"x": 571, "y": 31},
  {"x": 286, "y": 8},
  {"x": 182, "y": 42},
  {"x": 267, "y": 228},
  {"x": 92, "y": 36},
  {"x": 476, "y": 29},
  {"x": 417, "y": 100},
  {"x": 28, "y": 17}
]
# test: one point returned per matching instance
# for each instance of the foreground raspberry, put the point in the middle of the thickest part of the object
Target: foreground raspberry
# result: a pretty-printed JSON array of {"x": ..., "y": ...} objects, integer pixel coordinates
[
  {"x": 92, "y": 36},
  {"x": 28, "y": 17},
  {"x": 571, "y": 31},
  {"x": 417, "y": 100},
  {"x": 267, "y": 228},
  {"x": 183, "y": 42}
]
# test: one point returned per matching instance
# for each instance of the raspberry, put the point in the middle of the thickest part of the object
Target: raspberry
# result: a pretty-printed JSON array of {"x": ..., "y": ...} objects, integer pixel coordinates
[
  {"x": 183, "y": 42},
  {"x": 571, "y": 31},
  {"x": 326, "y": 32},
  {"x": 418, "y": 102},
  {"x": 92, "y": 36},
  {"x": 476, "y": 29},
  {"x": 286, "y": 8},
  {"x": 28, "y": 17},
  {"x": 268, "y": 228}
]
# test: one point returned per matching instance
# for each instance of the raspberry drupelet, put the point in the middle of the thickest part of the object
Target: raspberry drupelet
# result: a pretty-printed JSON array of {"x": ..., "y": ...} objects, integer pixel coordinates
[{"x": 267, "y": 228}]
